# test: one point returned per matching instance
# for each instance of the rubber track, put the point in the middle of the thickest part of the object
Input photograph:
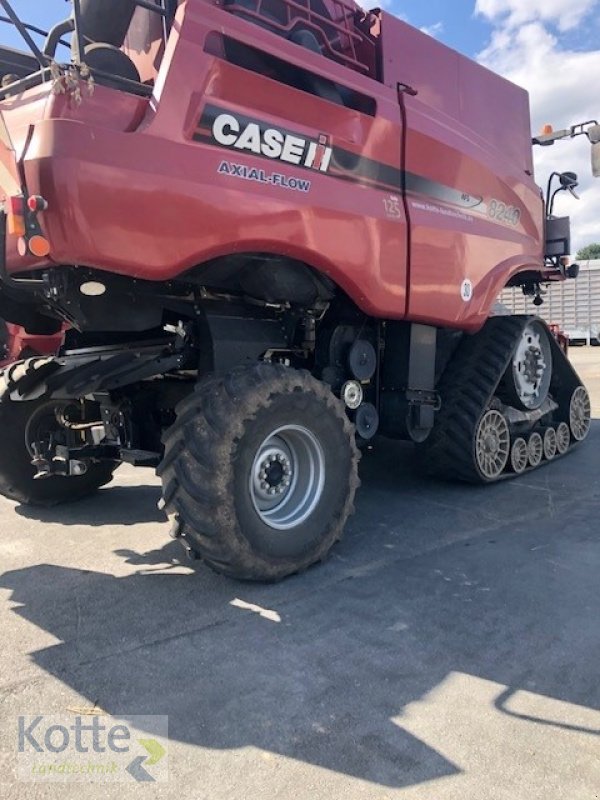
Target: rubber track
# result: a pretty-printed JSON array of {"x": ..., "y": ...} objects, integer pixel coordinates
[{"x": 467, "y": 388}]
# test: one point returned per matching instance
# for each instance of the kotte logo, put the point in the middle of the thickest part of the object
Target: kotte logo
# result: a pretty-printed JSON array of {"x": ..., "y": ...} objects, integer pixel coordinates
[
  {"x": 92, "y": 748},
  {"x": 272, "y": 143}
]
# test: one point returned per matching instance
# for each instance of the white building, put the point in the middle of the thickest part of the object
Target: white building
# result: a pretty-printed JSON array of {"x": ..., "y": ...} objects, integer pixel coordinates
[{"x": 572, "y": 304}]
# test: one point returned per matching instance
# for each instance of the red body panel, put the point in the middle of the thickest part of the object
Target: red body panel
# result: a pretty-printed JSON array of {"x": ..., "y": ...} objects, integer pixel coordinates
[
  {"x": 130, "y": 190},
  {"x": 21, "y": 344},
  {"x": 469, "y": 130}
]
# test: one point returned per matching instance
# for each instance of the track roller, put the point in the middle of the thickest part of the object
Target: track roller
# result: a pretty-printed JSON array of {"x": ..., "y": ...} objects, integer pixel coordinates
[
  {"x": 563, "y": 438},
  {"x": 536, "y": 449},
  {"x": 550, "y": 447},
  {"x": 519, "y": 456}
]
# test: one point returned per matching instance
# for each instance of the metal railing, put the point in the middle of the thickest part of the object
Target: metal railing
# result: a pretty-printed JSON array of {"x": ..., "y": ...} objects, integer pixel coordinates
[{"x": 46, "y": 56}]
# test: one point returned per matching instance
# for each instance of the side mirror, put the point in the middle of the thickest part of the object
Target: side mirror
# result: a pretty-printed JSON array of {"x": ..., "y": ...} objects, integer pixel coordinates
[
  {"x": 569, "y": 180},
  {"x": 593, "y": 134},
  {"x": 568, "y": 183}
]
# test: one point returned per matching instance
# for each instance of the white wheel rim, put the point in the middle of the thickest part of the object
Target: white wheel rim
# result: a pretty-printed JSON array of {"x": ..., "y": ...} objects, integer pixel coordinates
[
  {"x": 519, "y": 456},
  {"x": 536, "y": 449},
  {"x": 550, "y": 444},
  {"x": 563, "y": 438},
  {"x": 287, "y": 477},
  {"x": 580, "y": 414},
  {"x": 492, "y": 444},
  {"x": 532, "y": 366}
]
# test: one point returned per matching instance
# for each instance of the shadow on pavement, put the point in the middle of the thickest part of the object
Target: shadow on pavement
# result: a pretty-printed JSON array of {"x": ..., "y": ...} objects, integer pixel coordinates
[
  {"x": 125, "y": 505},
  {"x": 431, "y": 580}
]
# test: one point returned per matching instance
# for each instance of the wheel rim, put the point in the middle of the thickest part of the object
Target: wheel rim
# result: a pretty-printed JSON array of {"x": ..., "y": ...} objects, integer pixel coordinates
[
  {"x": 519, "y": 456},
  {"x": 563, "y": 438},
  {"x": 536, "y": 449},
  {"x": 287, "y": 477},
  {"x": 550, "y": 444},
  {"x": 532, "y": 366},
  {"x": 580, "y": 413},
  {"x": 492, "y": 444}
]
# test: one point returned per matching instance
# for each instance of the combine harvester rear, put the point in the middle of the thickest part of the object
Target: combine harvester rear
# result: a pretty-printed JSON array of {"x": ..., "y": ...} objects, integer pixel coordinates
[{"x": 274, "y": 229}]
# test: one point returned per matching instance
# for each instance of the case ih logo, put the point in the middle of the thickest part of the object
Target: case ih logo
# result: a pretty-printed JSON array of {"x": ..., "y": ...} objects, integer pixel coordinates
[{"x": 249, "y": 135}]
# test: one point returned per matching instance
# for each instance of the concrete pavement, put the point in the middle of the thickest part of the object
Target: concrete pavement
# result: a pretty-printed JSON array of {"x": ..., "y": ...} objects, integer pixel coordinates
[{"x": 450, "y": 648}]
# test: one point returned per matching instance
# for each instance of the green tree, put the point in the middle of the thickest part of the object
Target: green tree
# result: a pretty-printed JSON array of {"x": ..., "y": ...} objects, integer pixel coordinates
[{"x": 589, "y": 253}]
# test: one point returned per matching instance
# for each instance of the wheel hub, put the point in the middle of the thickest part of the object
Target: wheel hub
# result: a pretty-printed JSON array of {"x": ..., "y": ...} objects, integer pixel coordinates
[
  {"x": 532, "y": 367},
  {"x": 274, "y": 473},
  {"x": 287, "y": 477},
  {"x": 490, "y": 443}
]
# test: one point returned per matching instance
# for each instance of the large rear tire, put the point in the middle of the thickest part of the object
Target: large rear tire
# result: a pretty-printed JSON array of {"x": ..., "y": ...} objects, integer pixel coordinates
[
  {"x": 17, "y": 472},
  {"x": 260, "y": 472}
]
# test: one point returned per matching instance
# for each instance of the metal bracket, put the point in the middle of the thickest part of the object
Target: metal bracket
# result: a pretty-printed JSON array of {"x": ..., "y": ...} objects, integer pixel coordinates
[{"x": 422, "y": 398}]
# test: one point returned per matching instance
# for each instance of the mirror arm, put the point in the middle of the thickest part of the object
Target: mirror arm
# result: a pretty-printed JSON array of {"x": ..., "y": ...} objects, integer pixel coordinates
[
  {"x": 549, "y": 200},
  {"x": 551, "y": 205}
]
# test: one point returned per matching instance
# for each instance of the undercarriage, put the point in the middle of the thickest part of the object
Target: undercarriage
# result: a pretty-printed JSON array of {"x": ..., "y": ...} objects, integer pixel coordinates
[{"x": 267, "y": 438}]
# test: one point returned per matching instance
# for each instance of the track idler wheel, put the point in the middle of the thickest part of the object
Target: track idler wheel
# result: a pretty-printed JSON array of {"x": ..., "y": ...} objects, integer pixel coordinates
[
  {"x": 536, "y": 449},
  {"x": 519, "y": 456},
  {"x": 492, "y": 445},
  {"x": 580, "y": 414}
]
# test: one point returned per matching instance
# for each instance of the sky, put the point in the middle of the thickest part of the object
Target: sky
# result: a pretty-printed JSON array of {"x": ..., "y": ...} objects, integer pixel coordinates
[{"x": 550, "y": 47}]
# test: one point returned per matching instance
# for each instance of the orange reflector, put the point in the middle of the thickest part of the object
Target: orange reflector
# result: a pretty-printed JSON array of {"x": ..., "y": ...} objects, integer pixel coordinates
[
  {"x": 547, "y": 130},
  {"x": 16, "y": 225},
  {"x": 39, "y": 246},
  {"x": 16, "y": 216}
]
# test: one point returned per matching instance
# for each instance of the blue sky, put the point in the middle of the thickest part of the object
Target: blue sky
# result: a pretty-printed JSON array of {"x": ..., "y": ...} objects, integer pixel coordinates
[
  {"x": 461, "y": 29},
  {"x": 550, "y": 47},
  {"x": 454, "y": 22}
]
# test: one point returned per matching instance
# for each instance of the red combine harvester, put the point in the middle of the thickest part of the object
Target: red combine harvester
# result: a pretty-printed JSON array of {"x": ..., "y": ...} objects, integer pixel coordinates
[{"x": 276, "y": 229}]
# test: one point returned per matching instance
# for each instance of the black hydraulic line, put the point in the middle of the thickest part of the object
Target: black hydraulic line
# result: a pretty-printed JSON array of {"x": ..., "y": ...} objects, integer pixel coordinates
[{"x": 22, "y": 28}]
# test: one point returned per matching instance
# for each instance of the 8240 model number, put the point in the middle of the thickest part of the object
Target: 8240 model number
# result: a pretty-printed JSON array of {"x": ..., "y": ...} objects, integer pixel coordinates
[{"x": 499, "y": 211}]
